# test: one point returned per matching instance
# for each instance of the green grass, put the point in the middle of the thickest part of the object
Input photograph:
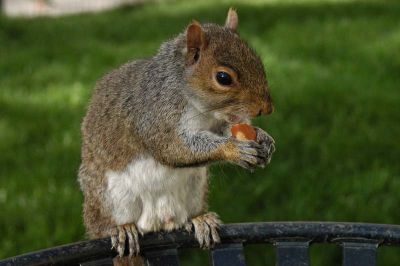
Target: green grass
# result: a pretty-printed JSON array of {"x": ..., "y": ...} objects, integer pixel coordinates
[{"x": 334, "y": 70}]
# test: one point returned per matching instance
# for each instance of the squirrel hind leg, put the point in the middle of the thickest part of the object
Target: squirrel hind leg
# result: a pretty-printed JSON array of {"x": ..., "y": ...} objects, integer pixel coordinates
[
  {"x": 123, "y": 233},
  {"x": 205, "y": 229}
]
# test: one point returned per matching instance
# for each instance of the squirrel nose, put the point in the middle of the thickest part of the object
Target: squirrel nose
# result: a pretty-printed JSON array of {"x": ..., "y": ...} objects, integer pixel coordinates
[
  {"x": 270, "y": 109},
  {"x": 264, "y": 106},
  {"x": 267, "y": 109}
]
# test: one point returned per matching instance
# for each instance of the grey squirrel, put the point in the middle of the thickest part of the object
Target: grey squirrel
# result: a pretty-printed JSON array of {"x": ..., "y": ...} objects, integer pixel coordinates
[{"x": 153, "y": 126}]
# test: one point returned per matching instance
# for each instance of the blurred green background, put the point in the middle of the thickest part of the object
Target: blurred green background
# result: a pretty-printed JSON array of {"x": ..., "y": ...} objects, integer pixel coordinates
[{"x": 334, "y": 70}]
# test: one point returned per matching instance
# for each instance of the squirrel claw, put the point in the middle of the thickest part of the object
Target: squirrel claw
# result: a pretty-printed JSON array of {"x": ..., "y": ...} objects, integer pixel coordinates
[
  {"x": 122, "y": 233},
  {"x": 251, "y": 154},
  {"x": 188, "y": 226},
  {"x": 268, "y": 143},
  {"x": 206, "y": 229},
  {"x": 246, "y": 165}
]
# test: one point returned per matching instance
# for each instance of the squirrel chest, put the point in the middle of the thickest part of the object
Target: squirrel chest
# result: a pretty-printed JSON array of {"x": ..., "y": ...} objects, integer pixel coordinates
[{"x": 156, "y": 196}]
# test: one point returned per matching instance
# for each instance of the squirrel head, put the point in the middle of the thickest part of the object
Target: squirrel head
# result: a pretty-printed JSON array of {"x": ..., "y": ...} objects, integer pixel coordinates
[{"x": 226, "y": 77}]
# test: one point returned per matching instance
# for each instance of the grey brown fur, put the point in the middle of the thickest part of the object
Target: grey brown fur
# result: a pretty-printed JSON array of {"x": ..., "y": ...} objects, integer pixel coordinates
[{"x": 138, "y": 108}]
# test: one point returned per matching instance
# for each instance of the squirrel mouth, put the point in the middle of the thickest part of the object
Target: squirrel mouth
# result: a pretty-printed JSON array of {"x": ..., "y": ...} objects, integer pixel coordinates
[{"x": 234, "y": 119}]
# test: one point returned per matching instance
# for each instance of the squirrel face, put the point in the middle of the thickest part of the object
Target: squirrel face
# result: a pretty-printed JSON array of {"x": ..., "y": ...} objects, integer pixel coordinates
[{"x": 225, "y": 75}]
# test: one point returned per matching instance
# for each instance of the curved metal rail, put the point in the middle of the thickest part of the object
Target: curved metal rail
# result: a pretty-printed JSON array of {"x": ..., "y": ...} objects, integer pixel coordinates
[{"x": 291, "y": 239}]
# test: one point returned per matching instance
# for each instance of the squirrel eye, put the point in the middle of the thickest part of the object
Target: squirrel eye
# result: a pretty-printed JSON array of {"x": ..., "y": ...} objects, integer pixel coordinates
[{"x": 224, "y": 78}]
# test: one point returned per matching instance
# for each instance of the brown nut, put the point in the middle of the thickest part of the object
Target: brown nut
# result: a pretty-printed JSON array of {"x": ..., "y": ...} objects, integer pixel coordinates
[{"x": 244, "y": 132}]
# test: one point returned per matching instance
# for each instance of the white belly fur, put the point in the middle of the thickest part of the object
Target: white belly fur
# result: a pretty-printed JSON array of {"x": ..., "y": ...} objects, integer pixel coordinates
[{"x": 155, "y": 196}]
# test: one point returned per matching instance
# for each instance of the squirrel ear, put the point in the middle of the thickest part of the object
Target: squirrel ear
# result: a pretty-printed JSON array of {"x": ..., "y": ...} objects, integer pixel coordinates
[
  {"x": 232, "y": 20},
  {"x": 194, "y": 36},
  {"x": 195, "y": 42}
]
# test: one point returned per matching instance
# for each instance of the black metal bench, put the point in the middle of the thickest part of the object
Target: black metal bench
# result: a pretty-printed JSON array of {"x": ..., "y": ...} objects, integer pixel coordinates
[{"x": 291, "y": 240}]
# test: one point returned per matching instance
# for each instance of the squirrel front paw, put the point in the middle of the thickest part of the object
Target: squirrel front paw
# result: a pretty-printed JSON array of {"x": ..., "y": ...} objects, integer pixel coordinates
[
  {"x": 247, "y": 154},
  {"x": 250, "y": 154},
  {"x": 119, "y": 237},
  {"x": 267, "y": 141}
]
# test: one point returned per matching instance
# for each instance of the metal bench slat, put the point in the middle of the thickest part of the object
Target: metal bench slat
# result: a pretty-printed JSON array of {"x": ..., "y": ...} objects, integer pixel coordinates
[
  {"x": 228, "y": 255},
  {"x": 162, "y": 257},
  {"x": 292, "y": 253},
  {"x": 359, "y": 253}
]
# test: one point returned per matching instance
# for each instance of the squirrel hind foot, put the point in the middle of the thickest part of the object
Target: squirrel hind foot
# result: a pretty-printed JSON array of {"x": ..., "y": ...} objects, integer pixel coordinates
[
  {"x": 205, "y": 229},
  {"x": 123, "y": 233}
]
